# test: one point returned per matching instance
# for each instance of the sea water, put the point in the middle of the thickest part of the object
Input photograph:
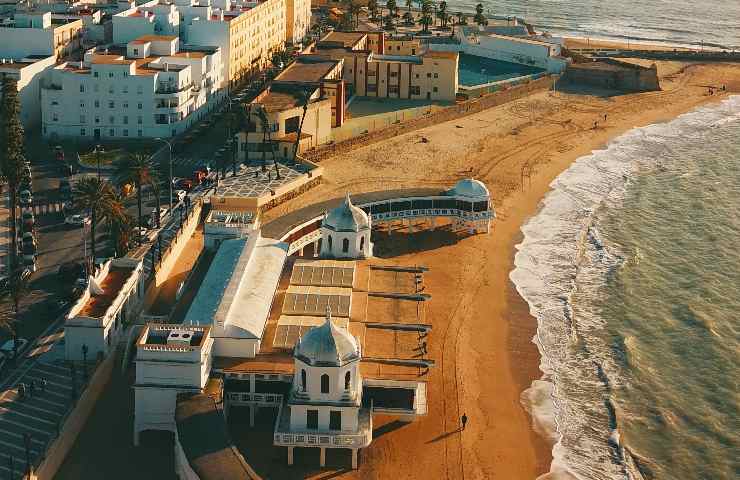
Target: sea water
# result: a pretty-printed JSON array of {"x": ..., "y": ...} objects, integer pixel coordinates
[
  {"x": 679, "y": 22},
  {"x": 632, "y": 271}
]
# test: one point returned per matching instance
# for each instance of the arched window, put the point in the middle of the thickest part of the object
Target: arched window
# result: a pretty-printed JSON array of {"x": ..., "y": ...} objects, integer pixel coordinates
[
  {"x": 347, "y": 378},
  {"x": 325, "y": 383},
  {"x": 303, "y": 380},
  {"x": 330, "y": 248},
  {"x": 362, "y": 242},
  {"x": 345, "y": 245}
]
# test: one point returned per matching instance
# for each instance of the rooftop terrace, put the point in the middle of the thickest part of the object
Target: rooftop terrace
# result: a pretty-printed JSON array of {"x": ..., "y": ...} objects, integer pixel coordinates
[{"x": 307, "y": 70}]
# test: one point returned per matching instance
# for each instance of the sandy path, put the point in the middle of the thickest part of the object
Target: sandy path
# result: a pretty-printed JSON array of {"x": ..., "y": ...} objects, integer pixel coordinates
[{"x": 482, "y": 330}]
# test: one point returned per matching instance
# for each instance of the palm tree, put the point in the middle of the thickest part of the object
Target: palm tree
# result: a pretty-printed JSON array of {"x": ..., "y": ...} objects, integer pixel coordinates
[
  {"x": 426, "y": 15},
  {"x": 155, "y": 181},
  {"x": 11, "y": 155},
  {"x": 461, "y": 18},
  {"x": 354, "y": 10},
  {"x": 120, "y": 225},
  {"x": 134, "y": 169},
  {"x": 392, "y": 7},
  {"x": 479, "y": 18},
  {"x": 266, "y": 127},
  {"x": 17, "y": 289},
  {"x": 372, "y": 6},
  {"x": 408, "y": 18},
  {"x": 409, "y": 4},
  {"x": 442, "y": 13},
  {"x": 304, "y": 96},
  {"x": 97, "y": 197},
  {"x": 265, "y": 122}
]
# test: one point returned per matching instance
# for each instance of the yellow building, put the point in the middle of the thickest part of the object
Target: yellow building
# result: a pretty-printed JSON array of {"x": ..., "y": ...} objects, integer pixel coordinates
[{"x": 298, "y": 18}]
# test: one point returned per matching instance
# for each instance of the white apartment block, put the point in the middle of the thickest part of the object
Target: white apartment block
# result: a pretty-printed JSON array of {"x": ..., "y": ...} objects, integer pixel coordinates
[
  {"x": 39, "y": 33},
  {"x": 298, "y": 19},
  {"x": 27, "y": 72},
  {"x": 148, "y": 88}
]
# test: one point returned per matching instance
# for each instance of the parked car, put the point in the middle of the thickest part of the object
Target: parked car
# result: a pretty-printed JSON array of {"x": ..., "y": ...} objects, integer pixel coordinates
[
  {"x": 26, "y": 198},
  {"x": 59, "y": 153},
  {"x": 184, "y": 184},
  {"x": 152, "y": 217},
  {"x": 9, "y": 348},
  {"x": 78, "y": 220},
  {"x": 29, "y": 261},
  {"x": 28, "y": 238},
  {"x": 180, "y": 195},
  {"x": 141, "y": 232}
]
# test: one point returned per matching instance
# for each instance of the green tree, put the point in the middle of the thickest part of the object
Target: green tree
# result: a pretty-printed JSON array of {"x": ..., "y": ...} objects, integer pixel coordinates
[
  {"x": 392, "y": 7},
  {"x": 461, "y": 18},
  {"x": 17, "y": 289},
  {"x": 426, "y": 15},
  {"x": 134, "y": 169},
  {"x": 97, "y": 197},
  {"x": 372, "y": 6},
  {"x": 267, "y": 142},
  {"x": 479, "y": 18},
  {"x": 408, "y": 18},
  {"x": 11, "y": 156},
  {"x": 121, "y": 224}
]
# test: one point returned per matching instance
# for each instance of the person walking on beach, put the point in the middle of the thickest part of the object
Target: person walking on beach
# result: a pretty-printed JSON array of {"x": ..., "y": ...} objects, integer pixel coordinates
[
  {"x": 605, "y": 117},
  {"x": 464, "y": 420},
  {"x": 43, "y": 385}
]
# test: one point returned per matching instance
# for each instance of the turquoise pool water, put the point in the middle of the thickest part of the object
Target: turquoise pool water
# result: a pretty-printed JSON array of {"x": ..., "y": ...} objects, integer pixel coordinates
[{"x": 474, "y": 70}]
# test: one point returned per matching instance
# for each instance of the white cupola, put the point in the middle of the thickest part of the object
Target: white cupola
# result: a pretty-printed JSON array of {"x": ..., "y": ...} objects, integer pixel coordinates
[{"x": 345, "y": 232}]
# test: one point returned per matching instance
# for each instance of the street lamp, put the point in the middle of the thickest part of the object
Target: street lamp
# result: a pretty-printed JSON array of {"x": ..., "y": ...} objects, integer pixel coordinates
[
  {"x": 169, "y": 146},
  {"x": 98, "y": 150},
  {"x": 84, "y": 360}
]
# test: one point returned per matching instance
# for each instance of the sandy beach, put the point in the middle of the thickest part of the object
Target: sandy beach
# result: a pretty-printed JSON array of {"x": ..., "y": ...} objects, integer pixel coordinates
[{"x": 482, "y": 329}]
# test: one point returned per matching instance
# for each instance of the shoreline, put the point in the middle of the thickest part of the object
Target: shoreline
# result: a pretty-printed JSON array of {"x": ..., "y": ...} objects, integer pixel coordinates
[{"x": 482, "y": 337}]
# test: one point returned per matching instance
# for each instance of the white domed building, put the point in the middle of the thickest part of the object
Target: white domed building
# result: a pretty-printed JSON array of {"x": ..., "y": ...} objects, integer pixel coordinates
[
  {"x": 326, "y": 397},
  {"x": 474, "y": 205},
  {"x": 345, "y": 232}
]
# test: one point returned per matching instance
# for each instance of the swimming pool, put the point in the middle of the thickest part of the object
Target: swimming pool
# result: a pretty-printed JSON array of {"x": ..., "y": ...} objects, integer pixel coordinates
[{"x": 474, "y": 70}]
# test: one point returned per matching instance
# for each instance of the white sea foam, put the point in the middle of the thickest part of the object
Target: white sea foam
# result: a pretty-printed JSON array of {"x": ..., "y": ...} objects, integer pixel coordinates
[{"x": 563, "y": 255}]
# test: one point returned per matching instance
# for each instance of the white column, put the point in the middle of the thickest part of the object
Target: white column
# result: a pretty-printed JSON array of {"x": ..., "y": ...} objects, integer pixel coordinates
[
  {"x": 316, "y": 248},
  {"x": 290, "y": 455},
  {"x": 354, "y": 459},
  {"x": 300, "y": 252},
  {"x": 322, "y": 457}
]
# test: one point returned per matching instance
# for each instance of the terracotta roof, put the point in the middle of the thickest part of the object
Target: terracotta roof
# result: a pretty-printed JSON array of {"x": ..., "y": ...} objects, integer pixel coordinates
[
  {"x": 303, "y": 71},
  {"x": 154, "y": 38},
  {"x": 110, "y": 60},
  {"x": 347, "y": 39}
]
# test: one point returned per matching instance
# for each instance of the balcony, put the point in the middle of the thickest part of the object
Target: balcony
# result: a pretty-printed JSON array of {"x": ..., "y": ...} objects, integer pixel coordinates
[
  {"x": 169, "y": 89},
  {"x": 285, "y": 437}
]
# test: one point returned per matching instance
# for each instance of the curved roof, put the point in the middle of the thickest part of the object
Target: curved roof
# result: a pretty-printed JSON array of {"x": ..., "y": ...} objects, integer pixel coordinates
[
  {"x": 469, "y": 187},
  {"x": 346, "y": 218},
  {"x": 327, "y": 346}
]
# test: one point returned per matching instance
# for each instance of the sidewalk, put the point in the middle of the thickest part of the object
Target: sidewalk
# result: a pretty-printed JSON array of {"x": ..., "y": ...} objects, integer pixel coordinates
[{"x": 4, "y": 231}]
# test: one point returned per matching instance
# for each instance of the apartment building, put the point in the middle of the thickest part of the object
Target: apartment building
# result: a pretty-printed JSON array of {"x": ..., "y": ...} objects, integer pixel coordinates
[
  {"x": 405, "y": 70},
  {"x": 298, "y": 18},
  {"x": 27, "y": 72},
  {"x": 39, "y": 33},
  {"x": 151, "y": 87},
  {"x": 247, "y": 34}
]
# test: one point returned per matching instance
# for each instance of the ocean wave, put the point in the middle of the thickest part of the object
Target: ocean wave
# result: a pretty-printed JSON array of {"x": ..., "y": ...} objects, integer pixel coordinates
[{"x": 563, "y": 255}]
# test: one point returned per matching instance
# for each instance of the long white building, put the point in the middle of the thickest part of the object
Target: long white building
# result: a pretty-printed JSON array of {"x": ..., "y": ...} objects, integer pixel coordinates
[{"x": 150, "y": 88}]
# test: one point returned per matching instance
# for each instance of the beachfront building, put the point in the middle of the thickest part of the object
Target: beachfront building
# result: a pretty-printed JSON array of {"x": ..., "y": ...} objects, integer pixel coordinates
[
  {"x": 111, "y": 299},
  {"x": 35, "y": 33},
  {"x": 298, "y": 20},
  {"x": 312, "y": 82},
  {"x": 27, "y": 72},
  {"x": 379, "y": 67},
  {"x": 151, "y": 87}
]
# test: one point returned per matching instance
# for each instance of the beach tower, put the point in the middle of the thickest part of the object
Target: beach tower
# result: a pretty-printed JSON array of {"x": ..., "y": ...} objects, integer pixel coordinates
[
  {"x": 326, "y": 397},
  {"x": 345, "y": 232},
  {"x": 474, "y": 202}
]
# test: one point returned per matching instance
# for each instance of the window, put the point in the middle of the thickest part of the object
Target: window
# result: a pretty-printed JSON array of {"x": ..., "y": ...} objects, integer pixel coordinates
[
  {"x": 82, "y": 104},
  {"x": 291, "y": 124},
  {"x": 335, "y": 420},
  {"x": 97, "y": 103},
  {"x": 362, "y": 245},
  {"x": 111, "y": 89},
  {"x": 112, "y": 132},
  {"x": 111, "y": 104},
  {"x": 436, "y": 75},
  {"x": 125, "y": 89},
  {"x": 95, "y": 74},
  {"x": 417, "y": 75},
  {"x": 140, "y": 106},
  {"x": 413, "y": 51},
  {"x": 110, "y": 74},
  {"x": 303, "y": 380},
  {"x": 139, "y": 89},
  {"x": 330, "y": 247},
  {"x": 97, "y": 119},
  {"x": 429, "y": 75},
  {"x": 394, "y": 74},
  {"x": 136, "y": 51},
  {"x": 82, "y": 89},
  {"x": 398, "y": 47},
  {"x": 312, "y": 419},
  {"x": 125, "y": 119},
  {"x": 348, "y": 375},
  {"x": 141, "y": 134},
  {"x": 54, "y": 117},
  {"x": 345, "y": 245},
  {"x": 414, "y": 89},
  {"x": 393, "y": 89},
  {"x": 125, "y": 132},
  {"x": 139, "y": 119},
  {"x": 82, "y": 132},
  {"x": 324, "y": 383},
  {"x": 434, "y": 89},
  {"x": 83, "y": 119},
  {"x": 125, "y": 104}
]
